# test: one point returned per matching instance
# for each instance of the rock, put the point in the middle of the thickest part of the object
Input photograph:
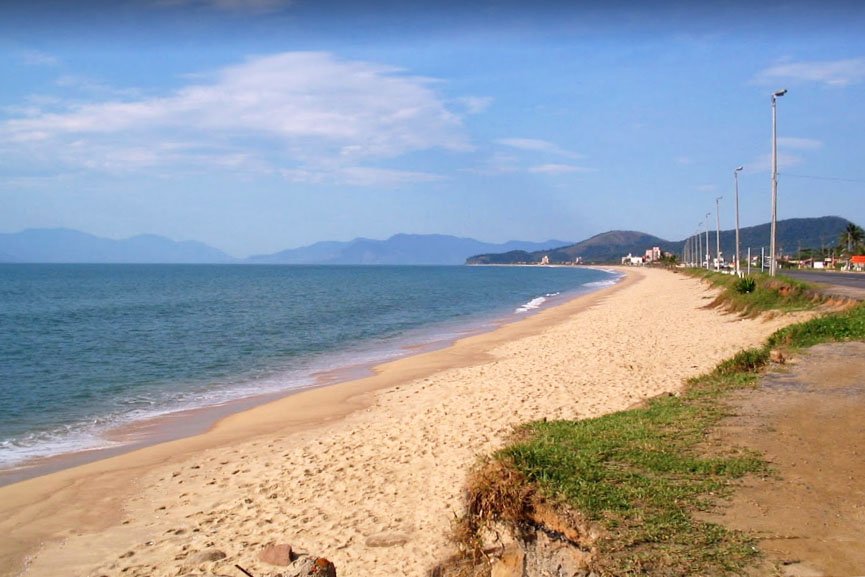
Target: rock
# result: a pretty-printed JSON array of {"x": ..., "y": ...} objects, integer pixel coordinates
[
  {"x": 209, "y": 555},
  {"x": 309, "y": 566},
  {"x": 390, "y": 539},
  {"x": 278, "y": 554}
]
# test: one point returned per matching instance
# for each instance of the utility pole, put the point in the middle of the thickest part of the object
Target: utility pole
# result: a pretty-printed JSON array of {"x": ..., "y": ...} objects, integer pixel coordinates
[
  {"x": 738, "y": 250},
  {"x": 699, "y": 246},
  {"x": 718, "y": 234},
  {"x": 772, "y": 264}
]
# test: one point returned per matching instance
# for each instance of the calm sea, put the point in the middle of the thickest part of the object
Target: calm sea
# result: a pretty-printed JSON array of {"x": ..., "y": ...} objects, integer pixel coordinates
[{"x": 85, "y": 349}]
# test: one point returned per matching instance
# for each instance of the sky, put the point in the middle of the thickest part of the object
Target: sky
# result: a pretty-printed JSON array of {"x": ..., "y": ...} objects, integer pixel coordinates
[{"x": 260, "y": 125}]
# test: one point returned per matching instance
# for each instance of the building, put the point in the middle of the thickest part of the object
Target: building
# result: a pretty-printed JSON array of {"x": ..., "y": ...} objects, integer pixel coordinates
[
  {"x": 633, "y": 260},
  {"x": 653, "y": 254}
]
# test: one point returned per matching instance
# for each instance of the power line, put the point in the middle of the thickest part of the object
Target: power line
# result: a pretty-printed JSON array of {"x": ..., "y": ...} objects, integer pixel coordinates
[{"x": 835, "y": 178}]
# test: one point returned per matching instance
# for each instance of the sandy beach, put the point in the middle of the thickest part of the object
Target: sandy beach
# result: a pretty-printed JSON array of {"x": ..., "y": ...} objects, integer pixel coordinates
[{"x": 366, "y": 473}]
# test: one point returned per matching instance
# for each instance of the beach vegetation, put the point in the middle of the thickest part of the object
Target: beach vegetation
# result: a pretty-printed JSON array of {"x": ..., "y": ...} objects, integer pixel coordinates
[
  {"x": 745, "y": 285},
  {"x": 758, "y": 294},
  {"x": 641, "y": 477}
]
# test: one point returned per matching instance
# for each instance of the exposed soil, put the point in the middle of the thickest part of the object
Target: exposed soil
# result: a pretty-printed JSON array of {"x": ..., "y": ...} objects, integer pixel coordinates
[{"x": 808, "y": 419}]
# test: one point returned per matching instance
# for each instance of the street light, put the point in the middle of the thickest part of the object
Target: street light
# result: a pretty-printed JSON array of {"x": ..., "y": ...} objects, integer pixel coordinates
[
  {"x": 718, "y": 234},
  {"x": 738, "y": 250},
  {"x": 708, "y": 214},
  {"x": 699, "y": 258},
  {"x": 772, "y": 263}
]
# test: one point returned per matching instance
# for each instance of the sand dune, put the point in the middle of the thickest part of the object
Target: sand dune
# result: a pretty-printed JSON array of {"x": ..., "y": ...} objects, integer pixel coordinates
[{"x": 368, "y": 473}]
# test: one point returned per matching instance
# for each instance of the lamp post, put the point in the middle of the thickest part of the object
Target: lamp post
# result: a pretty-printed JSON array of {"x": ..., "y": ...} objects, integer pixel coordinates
[
  {"x": 708, "y": 214},
  {"x": 699, "y": 259},
  {"x": 772, "y": 263},
  {"x": 718, "y": 233},
  {"x": 738, "y": 250}
]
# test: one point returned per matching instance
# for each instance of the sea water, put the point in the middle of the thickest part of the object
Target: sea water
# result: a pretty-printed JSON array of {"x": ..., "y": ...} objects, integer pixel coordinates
[{"x": 85, "y": 349}]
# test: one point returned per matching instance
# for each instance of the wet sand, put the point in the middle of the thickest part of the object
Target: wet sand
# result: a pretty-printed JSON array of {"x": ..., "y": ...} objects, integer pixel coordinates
[{"x": 367, "y": 473}]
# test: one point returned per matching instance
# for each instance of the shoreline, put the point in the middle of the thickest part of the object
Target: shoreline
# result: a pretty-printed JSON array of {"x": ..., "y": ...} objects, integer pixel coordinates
[
  {"x": 27, "y": 500},
  {"x": 183, "y": 423},
  {"x": 367, "y": 473}
]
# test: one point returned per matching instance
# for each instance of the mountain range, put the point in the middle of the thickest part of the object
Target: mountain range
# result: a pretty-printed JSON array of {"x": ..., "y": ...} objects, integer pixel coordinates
[
  {"x": 398, "y": 249},
  {"x": 71, "y": 246},
  {"x": 791, "y": 235},
  {"x": 61, "y": 245}
]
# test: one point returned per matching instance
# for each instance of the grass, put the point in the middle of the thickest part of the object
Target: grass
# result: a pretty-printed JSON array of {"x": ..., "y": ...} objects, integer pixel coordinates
[
  {"x": 640, "y": 476},
  {"x": 763, "y": 294}
]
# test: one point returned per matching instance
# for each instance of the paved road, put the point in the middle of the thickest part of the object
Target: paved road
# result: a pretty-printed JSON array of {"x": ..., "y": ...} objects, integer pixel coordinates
[{"x": 848, "y": 284}]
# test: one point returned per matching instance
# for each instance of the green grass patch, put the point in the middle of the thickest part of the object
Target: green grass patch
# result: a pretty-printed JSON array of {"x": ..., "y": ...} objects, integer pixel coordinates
[
  {"x": 641, "y": 475},
  {"x": 760, "y": 293},
  {"x": 848, "y": 325}
]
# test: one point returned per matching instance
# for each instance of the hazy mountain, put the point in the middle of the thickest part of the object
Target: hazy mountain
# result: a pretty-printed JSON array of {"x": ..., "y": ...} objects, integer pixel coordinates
[
  {"x": 791, "y": 235},
  {"x": 70, "y": 246},
  {"x": 398, "y": 249}
]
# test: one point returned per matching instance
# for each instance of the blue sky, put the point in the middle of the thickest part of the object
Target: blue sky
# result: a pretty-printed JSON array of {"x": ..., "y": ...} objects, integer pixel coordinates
[{"x": 259, "y": 125}]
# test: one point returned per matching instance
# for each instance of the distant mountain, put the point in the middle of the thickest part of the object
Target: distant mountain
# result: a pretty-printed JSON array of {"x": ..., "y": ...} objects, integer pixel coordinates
[
  {"x": 601, "y": 248},
  {"x": 416, "y": 249},
  {"x": 62, "y": 245},
  {"x": 791, "y": 235},
  {"x": 609, "y": 247}
]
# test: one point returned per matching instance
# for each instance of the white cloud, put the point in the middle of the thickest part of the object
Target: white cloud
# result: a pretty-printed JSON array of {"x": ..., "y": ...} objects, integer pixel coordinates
[
  {"x": 829, "y": 72},
  {"x": 763, "y": 164},
  {"x": 306, "y": 109},
  {"x": 557, "y": 169},
  {"x": 37, "y": 58},
  {"x": 537, "y": 145},
  {"x": 788, "y": 147},
  {"x": 474, "y": 104},
  {"x": 358, "y": 176},
  {"x": 250, "y": 6},
  {"x": 794, "y": 143},
  {"x": 94, "y": 87}
]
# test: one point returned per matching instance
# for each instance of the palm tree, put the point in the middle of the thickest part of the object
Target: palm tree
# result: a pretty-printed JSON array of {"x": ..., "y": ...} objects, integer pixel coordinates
[{"x": 853, "y": 235}]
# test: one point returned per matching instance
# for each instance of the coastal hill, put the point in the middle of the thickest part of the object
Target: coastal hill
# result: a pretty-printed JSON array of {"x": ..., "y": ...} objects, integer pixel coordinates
[{"x": 609, "y": 247}]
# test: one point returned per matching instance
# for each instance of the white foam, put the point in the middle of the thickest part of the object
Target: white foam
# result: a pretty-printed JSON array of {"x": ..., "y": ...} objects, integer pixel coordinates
[{"x": 533, "y": 304}]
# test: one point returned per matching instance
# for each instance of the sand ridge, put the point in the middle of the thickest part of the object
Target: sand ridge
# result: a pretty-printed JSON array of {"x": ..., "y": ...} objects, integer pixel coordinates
[{"x": 374, "y": 487}]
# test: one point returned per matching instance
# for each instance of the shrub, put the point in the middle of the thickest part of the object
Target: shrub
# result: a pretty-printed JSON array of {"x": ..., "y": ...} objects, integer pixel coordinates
[{"x": 745, "y": 285}]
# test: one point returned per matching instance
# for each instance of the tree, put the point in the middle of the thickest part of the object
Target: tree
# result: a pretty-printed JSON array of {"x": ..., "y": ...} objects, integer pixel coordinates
[{"x": 852, "y": 237}]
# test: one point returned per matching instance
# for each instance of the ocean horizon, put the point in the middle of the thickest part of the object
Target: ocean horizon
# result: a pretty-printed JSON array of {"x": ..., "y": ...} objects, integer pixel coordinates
[{"x": 87, "y": 350}]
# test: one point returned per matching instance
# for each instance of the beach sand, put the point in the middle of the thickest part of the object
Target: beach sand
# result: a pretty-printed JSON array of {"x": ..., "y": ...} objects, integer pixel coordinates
[{"x": 367, "y": 473}]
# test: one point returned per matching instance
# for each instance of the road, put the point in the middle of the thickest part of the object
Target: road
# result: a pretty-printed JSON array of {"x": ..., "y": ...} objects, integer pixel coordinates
[{"x": 848, "y": 284}]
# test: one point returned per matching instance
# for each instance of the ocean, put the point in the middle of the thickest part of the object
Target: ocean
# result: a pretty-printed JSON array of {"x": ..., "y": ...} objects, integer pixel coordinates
[{"x": 89, "y": 349}]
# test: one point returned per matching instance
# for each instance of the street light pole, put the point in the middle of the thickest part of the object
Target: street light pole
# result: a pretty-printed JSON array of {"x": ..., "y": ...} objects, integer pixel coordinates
[
  {"x": 772, "y": 264},
  {"x": 708, "y": 214},
  {"x": 699, "y": 246},
  {"x": 738, "y": 250},
  {"x": 718, "y": 234}
]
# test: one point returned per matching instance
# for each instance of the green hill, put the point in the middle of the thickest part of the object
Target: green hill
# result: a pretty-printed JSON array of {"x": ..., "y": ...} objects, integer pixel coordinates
[{"x": 609, "y": 247}]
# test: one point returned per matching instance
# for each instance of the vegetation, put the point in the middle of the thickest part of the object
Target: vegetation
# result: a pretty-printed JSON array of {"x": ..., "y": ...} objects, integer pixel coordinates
[
  {"x": 759, "y": 293},
  {"x": 639, "y": 476},
  {"x": 745, "y": 285},
  {"x": 852, "y": 238}
]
